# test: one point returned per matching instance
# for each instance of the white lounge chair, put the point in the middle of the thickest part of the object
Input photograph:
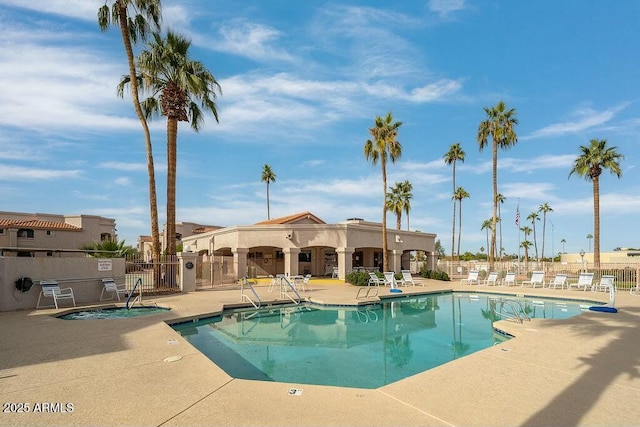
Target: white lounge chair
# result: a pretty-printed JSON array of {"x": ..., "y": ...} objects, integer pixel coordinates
[
  {"x": 635, "y": 290},
  {"x": 492, "y": 279},
  {"x": 51, "y": 289},
  {"x": 558, "y": 281},
  {"x": 537, "y": 278},
  {"x": 407, "y": 278},
  {"x": 509, "y": 280},
  {"x": 334, "y": 273},
  {"x": 375, "y": 280},
  {"x": 472, "y": 278},
  {"x": 390, "y": 279},
  {"x": 605, "y": 282},
  {"x": 585, "y": 280},
  {"x": 110, "y": 286}
]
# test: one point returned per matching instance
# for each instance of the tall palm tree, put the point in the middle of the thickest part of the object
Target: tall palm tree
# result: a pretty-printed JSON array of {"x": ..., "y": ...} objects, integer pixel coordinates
[
  {"x": 407, "y": 195},
  {"x": 177, "y": 84},
  {"x": 451, "y": 157},
  {"x": 545, "y": 209},
  {"x": 384, "y": 145},
  {"x": 268, "y": 176},
  {"x": 563, "y": 241},
  {"x": 589, "y": 237},
  {"x": 136, "y": 19},
  {"x": 501, "y": 200},
  {"x": 486, "y": 225},
  {"x": 460, "y": 194},
  {"x": 533, "y": 217},
  {"x": 500, "y": 126},
  {"x": 526, "y": 245},
  {"x": 589, "y": 165},
  {"x": 395, "y": 203}
]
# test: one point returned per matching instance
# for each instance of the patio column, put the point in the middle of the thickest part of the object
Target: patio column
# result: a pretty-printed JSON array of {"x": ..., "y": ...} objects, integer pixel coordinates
[
  {"x": 291, "y": 261},
  {"x": 396, "y": 258},
  {"x": 344, "y": 261},
  {"x": 187, "y": 275},
  {"x": 240, "y": 262}
]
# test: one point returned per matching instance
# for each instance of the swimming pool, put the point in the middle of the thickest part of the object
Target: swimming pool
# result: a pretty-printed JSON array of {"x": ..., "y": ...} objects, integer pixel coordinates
[
  {"x": 113, "y": 313},
  {"x": 364, "y": 347}
]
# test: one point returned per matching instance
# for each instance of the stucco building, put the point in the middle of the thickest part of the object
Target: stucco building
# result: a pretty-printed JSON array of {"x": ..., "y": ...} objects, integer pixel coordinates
[
  {"x": 41, "y": 234},
  {"x": 304, "y": 244}
]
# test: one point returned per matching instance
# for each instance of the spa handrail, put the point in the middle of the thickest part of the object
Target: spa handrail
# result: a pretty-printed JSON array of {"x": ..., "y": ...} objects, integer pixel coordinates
[{"x": 138, "y": 298}]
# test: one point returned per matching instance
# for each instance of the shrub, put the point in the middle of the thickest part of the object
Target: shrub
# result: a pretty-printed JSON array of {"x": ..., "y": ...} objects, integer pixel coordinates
[
  {"x": 433, "y": 274},
  {"x": 358, "y": 278}
]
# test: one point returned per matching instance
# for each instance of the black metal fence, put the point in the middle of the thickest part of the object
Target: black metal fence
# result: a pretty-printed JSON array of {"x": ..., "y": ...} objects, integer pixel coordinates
[{"x": 155, "y": 277}]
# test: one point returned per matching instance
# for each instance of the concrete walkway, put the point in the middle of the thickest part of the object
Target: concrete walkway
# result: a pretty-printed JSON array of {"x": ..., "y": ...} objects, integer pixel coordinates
[{"x": 580, "y": 371}]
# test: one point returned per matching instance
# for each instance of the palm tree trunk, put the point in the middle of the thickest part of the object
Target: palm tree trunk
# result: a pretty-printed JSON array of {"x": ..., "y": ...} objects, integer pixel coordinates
[
  {"x": 398, "y": 222},
  {"x": 596, "y": 222},
  {"x": 172, "y": 137},
  {"x": 153, "y": 201},
  {"x": 460, "y": 229},
  {"x": 385, "y": 258},
  {"x": 535, "y": 240},
  {"x": 453, "y": 227},
  {"x": 495, "y": 203},
  {"x": 544, "y": 227},
  {"x": 268, "y": 210},
  {"x": 500, "y": 225}
]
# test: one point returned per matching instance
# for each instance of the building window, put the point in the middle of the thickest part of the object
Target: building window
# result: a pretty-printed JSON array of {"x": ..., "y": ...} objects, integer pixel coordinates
[
  {"x": 49, "y": 233},
  {"x": 104, "y": 237},
  {"x": 178, "y": 236},
  {"x": 25, "y": 233},
  {"x": 1, "y": 230},
  {"x": 304, "y": 256}
]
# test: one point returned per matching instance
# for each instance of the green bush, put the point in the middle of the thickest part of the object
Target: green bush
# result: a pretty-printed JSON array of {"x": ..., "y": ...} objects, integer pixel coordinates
[
  {"x": 433, "y": 274},
  {"x": 358, "y": 278}
]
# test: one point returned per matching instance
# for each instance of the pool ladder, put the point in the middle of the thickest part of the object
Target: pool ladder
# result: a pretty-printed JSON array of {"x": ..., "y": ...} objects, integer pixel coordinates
[
  {"x": 510, "y": 309},
  {"x": 245, "y": 297},
  {"x": 285, "y": 286},
  {"x": 138, "y": 298}
]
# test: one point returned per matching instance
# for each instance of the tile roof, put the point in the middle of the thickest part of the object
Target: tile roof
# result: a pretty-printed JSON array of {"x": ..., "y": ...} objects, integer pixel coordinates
[
  {"x": 292, "y": 218},
  {"x": 38, "y": 225}
]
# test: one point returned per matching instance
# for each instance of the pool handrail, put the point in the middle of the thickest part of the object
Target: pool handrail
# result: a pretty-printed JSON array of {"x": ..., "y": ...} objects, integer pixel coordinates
[
  {"x": 245, "y": 282},
  {"x": 284, "y": 293},
  {"x": 138, "y": 298}
]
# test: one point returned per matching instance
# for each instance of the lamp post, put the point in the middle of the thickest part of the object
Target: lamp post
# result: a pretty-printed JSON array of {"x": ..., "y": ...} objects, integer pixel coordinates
[{"x": 582, "y": 258}]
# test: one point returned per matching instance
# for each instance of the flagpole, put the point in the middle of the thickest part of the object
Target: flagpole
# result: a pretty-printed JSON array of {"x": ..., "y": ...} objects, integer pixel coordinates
[{"x": 518, "y": 227}]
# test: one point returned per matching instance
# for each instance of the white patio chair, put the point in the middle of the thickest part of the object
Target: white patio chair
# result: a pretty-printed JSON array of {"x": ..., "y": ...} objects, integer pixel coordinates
[
  {"x": 605, "y": 282},
  {"x": 558, "y": 281},
  {"x": 375, "y": 280},
  {"x": 110, "y": 286},
  {"x": 509, "y": 280},
  {"x": 585, "y": 280},
  {"x": 492, "y": 279},
  {"x": 473, "y": 278},
  {"x": 390, "y": 279},
  {"x": 334, "y": 273},
  {"x": 537, "y": 278},
  {"x": 407, "y": 278},
  {"x": 51, "y": 289}
]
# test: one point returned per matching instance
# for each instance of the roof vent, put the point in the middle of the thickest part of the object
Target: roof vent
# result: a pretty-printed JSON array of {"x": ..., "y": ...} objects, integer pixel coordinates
[{"x": 355, "y": 219}]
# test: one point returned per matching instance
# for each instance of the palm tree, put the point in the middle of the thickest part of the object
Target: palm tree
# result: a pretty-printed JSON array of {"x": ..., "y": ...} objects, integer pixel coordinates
[
  {"x": 589, "y": 237},
  {"x": 407, "y": 195},
  {"x": 486, "y": 225},
  {"x": 563, "y": 241},
  {"x": 533, "y": 217},
  {"x": 268, "y": 176},
  {"x": 395, "y": 203},
  {"x": 526, "y": 245},
  {"x": 545, "y": 209},
  {"x": 501, "y": 200},
  {"x": 177, "y": 85},
  {"x": 134, "y": 20},
  {"x": 460, "y": 194},
  {"x": 454, "y": 154},
  {"x": 500, "y": 126},
  {"x": 383, "y": 145},
  {"x": 589, "y": 165}
]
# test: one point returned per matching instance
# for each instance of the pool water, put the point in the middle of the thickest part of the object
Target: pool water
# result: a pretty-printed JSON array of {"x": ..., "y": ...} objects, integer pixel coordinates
[
  {"x": 364, "y": 347},
  {"x": 113, "y": 313}
]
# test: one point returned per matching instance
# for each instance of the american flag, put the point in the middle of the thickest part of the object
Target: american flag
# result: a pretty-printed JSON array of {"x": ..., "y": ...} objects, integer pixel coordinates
[{"x": 518, "y": 218}]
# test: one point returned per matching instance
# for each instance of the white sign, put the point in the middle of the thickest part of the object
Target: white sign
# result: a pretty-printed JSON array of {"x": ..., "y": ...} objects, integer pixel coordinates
[{"x": 105, "y": 265}]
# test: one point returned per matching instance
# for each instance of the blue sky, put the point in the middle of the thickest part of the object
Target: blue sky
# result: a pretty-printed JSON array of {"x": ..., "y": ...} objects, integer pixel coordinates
[{"x": 302, "y": 83}]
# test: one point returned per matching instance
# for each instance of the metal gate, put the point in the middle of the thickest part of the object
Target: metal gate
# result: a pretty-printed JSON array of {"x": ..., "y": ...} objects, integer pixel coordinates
[{"x": 156, "y": 277}]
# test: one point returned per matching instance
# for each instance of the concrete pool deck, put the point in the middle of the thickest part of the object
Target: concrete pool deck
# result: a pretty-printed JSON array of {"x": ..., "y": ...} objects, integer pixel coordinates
[{"x": 579, "y": 371}]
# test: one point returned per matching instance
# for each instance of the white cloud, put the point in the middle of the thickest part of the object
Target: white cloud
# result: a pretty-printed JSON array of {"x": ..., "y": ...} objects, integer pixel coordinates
[
  {"x": 445, "y": 7},
  {"x": 582, "y": 119},
  {"x": 19, "y": 173}
]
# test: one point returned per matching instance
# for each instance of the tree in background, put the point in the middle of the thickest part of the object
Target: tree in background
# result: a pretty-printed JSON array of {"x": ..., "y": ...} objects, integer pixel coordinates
[
  {"x": 500, "y": 126},
  {"x": 589, "y": 165},
  {"x": 451, "y": 157},
  {"x": 384, "y": 145},
  {"x": 486, "y": 225},
  {"x": 563, "y": 241},
  {"x": 501, "y": 200},
  {"x": 136, "y": 20},
  {"x": 182, "y": 90},
  {"x": 268, "y": 176},
  {"x": 407, "y": 195},
  {"x": 533, "y": 217},
  {"x": 460, "y": 194},
  {"x": 395, "y": 203},
  {"x": 545, "y": 209},
  {"x": 589, "y": 237}
]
